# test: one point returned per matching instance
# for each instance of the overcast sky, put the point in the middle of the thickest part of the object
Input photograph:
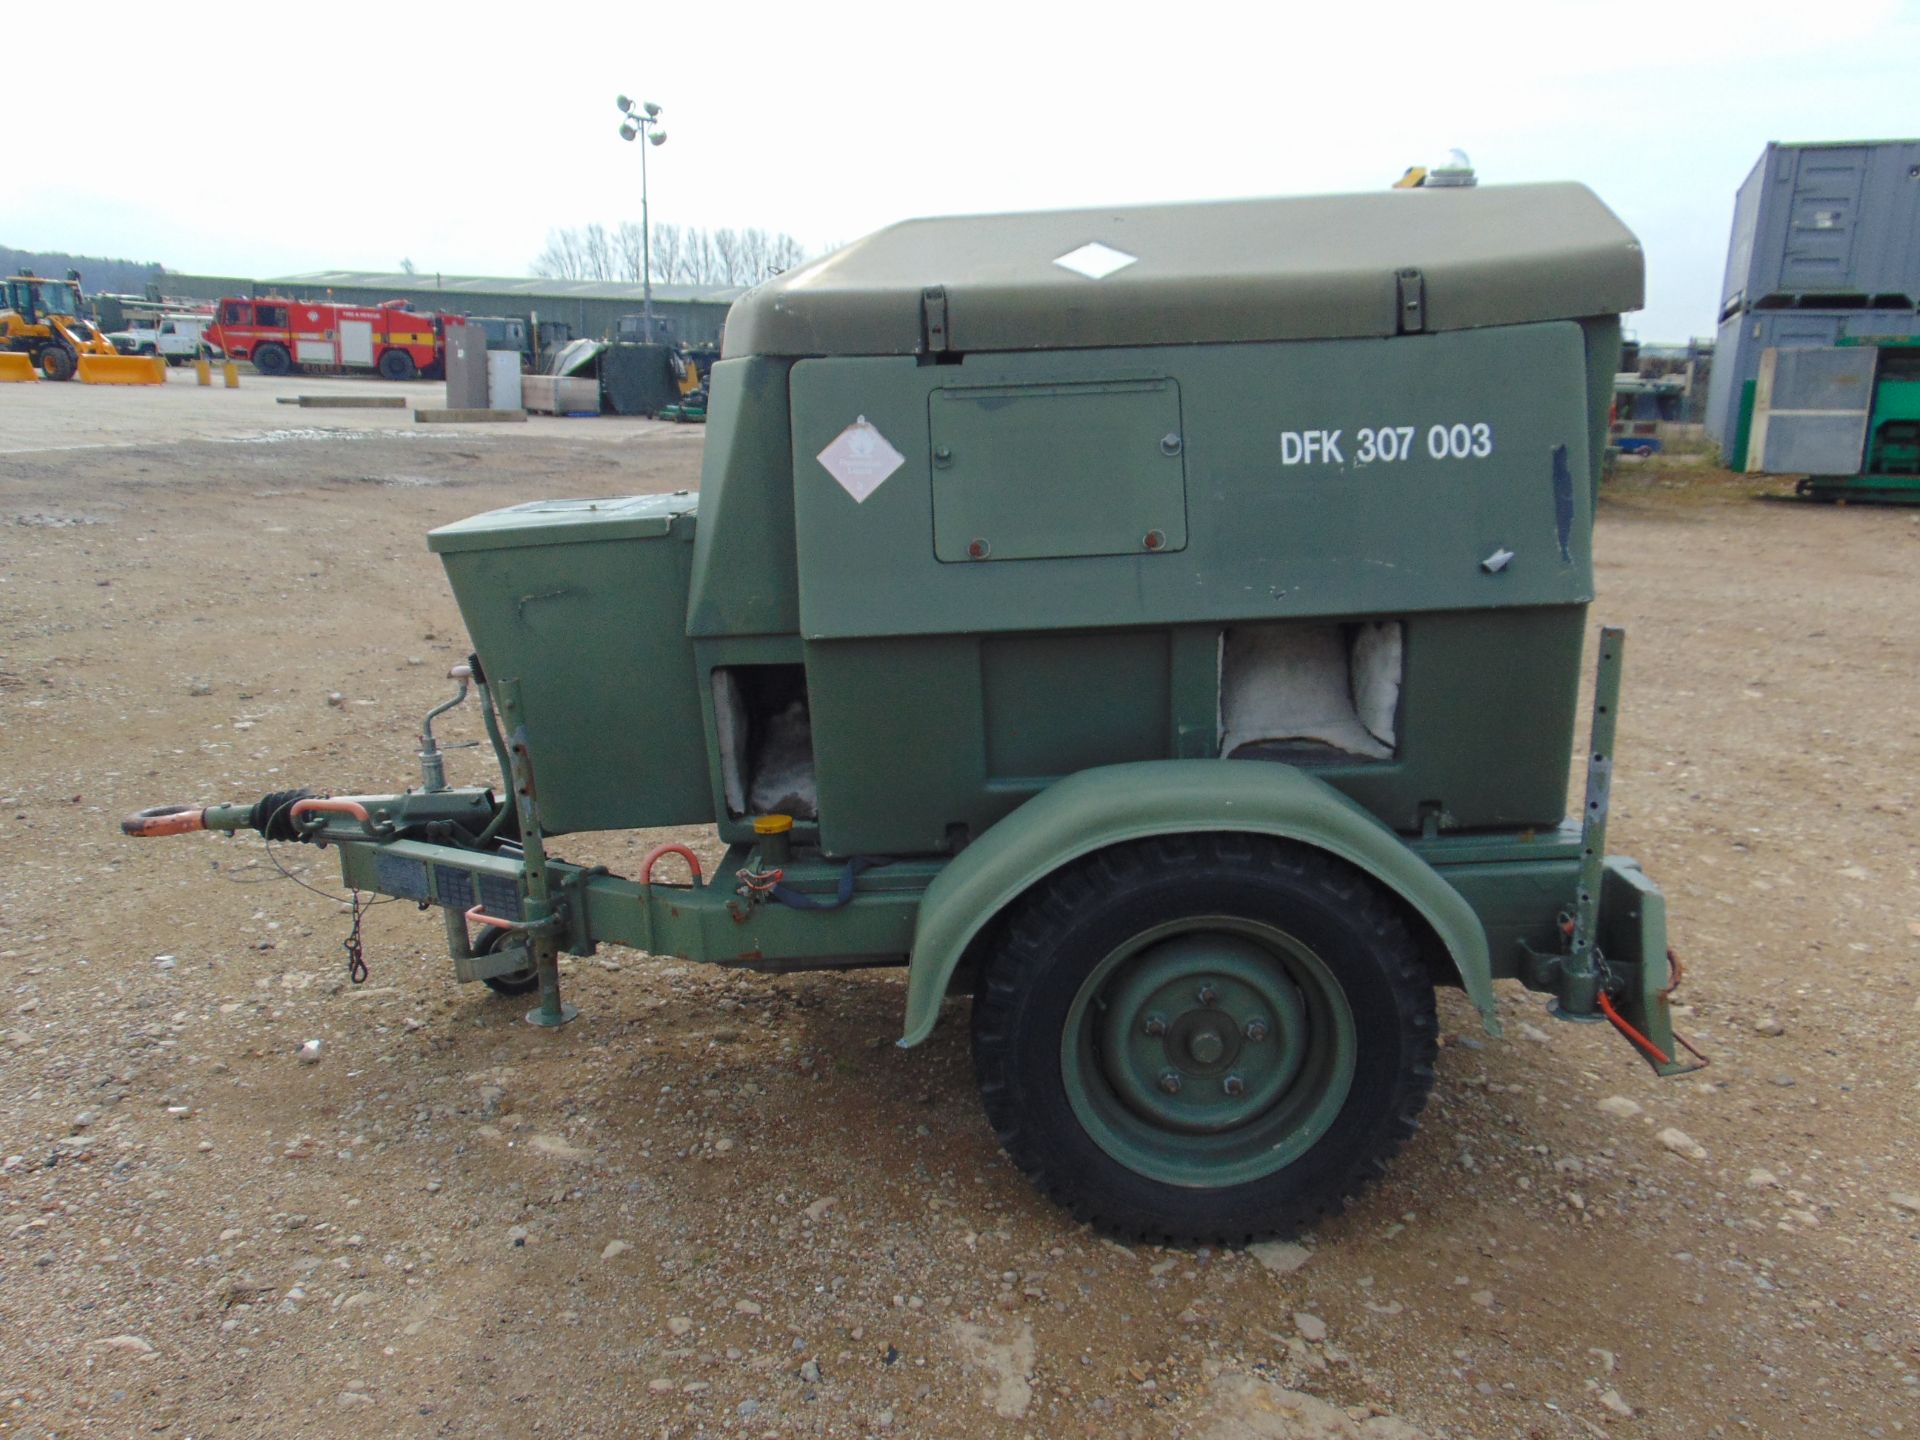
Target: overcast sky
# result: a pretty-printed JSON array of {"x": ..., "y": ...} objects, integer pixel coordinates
[{"x": 267, "y": 139}]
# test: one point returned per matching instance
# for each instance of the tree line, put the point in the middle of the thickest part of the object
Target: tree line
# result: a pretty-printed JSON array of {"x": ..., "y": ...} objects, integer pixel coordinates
[
  {"x": 98, "y": 275},
  {"x": 682, "y": 254}
]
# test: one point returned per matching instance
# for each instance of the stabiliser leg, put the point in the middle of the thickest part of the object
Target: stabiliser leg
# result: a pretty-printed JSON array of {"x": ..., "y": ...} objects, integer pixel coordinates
[
  {"x": 540, "y": 913},
  {"x": 1580, "y": 978}
]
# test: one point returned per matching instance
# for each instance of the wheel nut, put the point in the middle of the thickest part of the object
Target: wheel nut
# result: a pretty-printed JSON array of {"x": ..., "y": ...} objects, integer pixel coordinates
[
  {"x": 1155, "y": 1025},
  {"x": 1256, "y": 1030},
  {"x": 1233, "y": 1085},
  {"x": 1170, "y": 1081},
  {"x": 1206, "y": 994}
]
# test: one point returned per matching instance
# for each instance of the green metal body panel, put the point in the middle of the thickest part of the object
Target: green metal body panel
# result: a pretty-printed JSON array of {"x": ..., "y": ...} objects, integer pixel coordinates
[
  {"x": 1098, "y": 808},
  {"x": 1603, "y": 355},
  {"x": 1486, "y": 721},
  {"x": 743, "y": 580},
  {"x": 1268, "y": 539}
]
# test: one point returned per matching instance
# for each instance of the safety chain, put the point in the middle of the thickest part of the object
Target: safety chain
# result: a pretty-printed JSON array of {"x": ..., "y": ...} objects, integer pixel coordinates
[{"x": 356, "y": 960}]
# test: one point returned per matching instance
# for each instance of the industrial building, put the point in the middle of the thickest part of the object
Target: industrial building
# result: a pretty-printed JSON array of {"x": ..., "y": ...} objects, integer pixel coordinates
[
  {"x": 1825, "y": 252},
  {"x": 685, "y": 314}
]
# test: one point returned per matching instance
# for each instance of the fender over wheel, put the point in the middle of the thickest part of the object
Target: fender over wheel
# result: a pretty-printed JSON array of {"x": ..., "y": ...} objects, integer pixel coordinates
[{"x": 1204, "y": 1038}]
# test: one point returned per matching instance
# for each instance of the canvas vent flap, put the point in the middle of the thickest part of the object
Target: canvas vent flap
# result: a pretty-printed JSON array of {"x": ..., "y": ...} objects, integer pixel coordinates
[{"x": 1326, "y": 691}]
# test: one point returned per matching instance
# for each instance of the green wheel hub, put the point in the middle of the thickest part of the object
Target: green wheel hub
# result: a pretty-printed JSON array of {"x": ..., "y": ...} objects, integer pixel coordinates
[{"x": 1209, "y": 1051}]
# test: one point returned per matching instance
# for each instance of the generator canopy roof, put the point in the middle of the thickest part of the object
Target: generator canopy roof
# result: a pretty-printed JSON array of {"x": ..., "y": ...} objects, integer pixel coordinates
[{"x": 1303, "y": 268}]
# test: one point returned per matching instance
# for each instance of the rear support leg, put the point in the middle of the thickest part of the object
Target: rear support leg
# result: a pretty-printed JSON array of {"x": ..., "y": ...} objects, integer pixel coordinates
[{"x": 540, "y": 913}]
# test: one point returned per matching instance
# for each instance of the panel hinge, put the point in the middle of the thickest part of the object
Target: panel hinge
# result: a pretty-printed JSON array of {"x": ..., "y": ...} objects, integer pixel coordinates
[
  {"x": 933, "y": 320},
  {"x": 1411, "y": 289}
]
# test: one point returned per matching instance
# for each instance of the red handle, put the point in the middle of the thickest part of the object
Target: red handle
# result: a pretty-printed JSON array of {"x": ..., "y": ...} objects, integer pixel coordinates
[
  {"x": 337, "y": 807},
  {"x": 477, "y": 916},
  {"x": 164, "y": 820},
  {"x": 670, "y": 848}
]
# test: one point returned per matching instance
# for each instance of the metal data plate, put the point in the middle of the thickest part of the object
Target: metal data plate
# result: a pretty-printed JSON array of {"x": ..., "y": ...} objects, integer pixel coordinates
[
  {"x": 463, "y": 889},
  {"x": 400, "y": 876},
  {"x": 1030, "y": 472}
]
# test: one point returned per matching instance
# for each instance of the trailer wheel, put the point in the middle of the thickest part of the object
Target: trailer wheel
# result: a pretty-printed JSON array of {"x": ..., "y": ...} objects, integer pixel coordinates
[
  {"x": 57, "y": 362},
  {"x": 1205, "y": 1038},
  {"x": 520, "y": 982},
  {"x": 398, "y": 365},
  {"x": 272, "y": 359}
]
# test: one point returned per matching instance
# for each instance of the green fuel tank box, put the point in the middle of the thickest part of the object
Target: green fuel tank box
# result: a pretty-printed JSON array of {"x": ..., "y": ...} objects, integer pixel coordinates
[
  {"x": 990, "y": 500},
  {"x": 566, "y": 595}
]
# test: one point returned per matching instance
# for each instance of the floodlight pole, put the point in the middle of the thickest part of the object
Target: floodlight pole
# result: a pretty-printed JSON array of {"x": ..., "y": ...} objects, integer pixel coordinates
[
  {"x": 643, "y": 124},
  {"x": 646, "y": 249}
]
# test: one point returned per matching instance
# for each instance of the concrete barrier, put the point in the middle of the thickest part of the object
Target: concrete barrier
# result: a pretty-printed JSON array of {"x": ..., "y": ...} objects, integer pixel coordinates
[
  {"x": 346, "y": 402},
  {"x": 469, "y": 417}
]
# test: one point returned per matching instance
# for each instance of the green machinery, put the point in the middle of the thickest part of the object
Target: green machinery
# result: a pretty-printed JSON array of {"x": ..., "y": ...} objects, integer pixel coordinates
[
  {"x": 1163, "y": 625},
  {"x": 1890, "y": 468},
  {"x": 1848, "y": 416}
]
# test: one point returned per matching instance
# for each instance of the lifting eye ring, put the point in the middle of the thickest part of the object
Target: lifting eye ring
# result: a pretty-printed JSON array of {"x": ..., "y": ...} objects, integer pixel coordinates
[{"x": 670, "y": 848}]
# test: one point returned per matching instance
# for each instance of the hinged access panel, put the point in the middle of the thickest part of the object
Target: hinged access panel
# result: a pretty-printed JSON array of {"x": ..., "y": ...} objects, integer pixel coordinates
[{"x": 1044, "y": 472}]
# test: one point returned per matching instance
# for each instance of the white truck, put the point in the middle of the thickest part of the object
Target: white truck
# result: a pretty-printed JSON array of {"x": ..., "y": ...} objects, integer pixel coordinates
[{"x": 177, "y": 337}]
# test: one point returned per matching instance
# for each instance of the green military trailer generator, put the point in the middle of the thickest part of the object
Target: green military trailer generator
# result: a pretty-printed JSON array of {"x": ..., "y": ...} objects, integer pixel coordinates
[{"x": 1163, "y": 625}]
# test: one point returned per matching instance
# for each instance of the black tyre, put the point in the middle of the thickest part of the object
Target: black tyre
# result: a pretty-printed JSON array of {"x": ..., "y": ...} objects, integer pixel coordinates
[
  {"x": 1204, "y": 1038},
  {"x": 520, "y": 982},
  {"x": 272, "y": 359},
  {"x": 398, "y": 365},
  {"x": 57, "y": 362}
]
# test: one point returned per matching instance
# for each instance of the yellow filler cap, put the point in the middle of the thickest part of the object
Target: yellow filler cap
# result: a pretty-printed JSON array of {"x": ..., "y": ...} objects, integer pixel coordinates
[{"x": 772, "y": 824}]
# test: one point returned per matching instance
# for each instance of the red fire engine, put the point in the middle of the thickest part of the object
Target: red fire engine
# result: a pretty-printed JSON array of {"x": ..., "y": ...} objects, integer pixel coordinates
[{"x": 279, "y": 334}]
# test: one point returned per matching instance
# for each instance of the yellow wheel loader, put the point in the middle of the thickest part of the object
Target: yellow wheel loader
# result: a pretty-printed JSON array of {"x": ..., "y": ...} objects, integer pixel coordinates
[{"x": 42, "y": 319}]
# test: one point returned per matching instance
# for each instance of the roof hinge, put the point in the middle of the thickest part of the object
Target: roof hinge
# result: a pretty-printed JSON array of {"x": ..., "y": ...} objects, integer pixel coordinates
[
  {"x": 933, "y": 320},
  {"x": 1411, "y": 289}
]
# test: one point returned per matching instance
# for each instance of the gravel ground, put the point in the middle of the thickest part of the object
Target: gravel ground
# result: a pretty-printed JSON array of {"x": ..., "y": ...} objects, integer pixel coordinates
[{"x": 724, "y": 1204}]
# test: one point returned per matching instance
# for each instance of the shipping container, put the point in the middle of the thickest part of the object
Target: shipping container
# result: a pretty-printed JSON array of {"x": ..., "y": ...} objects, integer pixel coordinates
[
  {"x": 1736, "y": 356},
  {"x": 1832, "y": 226}
]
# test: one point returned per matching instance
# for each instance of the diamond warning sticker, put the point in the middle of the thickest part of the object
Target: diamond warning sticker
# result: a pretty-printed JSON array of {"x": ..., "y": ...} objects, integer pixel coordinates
[
  {"x": 1094, "y": 260},
  {"x": 860, "y": 458}
]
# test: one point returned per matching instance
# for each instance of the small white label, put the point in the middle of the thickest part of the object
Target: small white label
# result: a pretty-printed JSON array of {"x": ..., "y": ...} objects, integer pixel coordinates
[
  {"x": 1388, "y": 444},
  {"x": 860, "y": 458},
  {"x": 1094, "y": 260},
  {"x": 1311, "y": 447}
]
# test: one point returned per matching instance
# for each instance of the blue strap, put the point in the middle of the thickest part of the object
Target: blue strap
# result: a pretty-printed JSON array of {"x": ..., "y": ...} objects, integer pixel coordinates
[{"x": 843, "y": 892}]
